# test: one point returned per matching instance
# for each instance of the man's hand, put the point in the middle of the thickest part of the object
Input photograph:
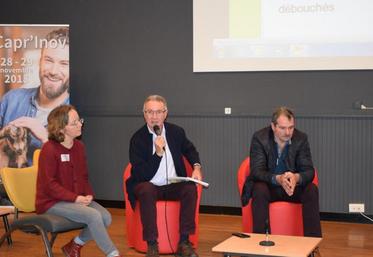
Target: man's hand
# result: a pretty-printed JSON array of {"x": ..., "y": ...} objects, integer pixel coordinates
[
  {"x": 84, "y": 200},
  {"x": 159, "y": 144},
  {"x": 34, "y": 125},
  {"x": 288, "y": 181},
  {"x": 197, "y": 173}
]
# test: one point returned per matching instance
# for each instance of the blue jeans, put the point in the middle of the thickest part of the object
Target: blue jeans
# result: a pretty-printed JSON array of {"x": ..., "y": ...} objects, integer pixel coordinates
[{"x": 96, "y": 217}]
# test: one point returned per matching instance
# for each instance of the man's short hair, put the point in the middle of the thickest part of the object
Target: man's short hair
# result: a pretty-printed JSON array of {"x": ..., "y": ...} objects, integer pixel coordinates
[
  {"x": 61, "y": 34},
  {"x": 156, "y": 98},
  {"x": 285, "y": 111}
]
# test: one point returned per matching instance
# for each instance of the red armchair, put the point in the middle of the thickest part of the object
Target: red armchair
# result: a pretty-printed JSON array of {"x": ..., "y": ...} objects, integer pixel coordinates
[
  {"x": 134, "y": 225},
  {"x": 285, "y": 218}
]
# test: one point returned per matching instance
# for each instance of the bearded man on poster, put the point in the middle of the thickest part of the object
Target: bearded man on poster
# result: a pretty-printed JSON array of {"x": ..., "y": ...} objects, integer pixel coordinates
[{"x": 29, "y": 107}]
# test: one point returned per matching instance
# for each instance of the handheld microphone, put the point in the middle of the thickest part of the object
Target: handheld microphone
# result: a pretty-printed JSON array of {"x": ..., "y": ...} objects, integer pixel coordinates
[
  {"x": 267, "y": 242},
  {"x": 157, "y": 130}
]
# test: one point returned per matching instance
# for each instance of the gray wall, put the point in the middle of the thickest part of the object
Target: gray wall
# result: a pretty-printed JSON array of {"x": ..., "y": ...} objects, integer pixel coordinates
[
  {"x": 342, "y": 148},
  {"x": 124, "y": 50}
]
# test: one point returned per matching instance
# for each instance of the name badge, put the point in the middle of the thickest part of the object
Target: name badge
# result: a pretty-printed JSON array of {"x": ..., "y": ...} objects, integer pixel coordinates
[{"x": 65, "y": 157}]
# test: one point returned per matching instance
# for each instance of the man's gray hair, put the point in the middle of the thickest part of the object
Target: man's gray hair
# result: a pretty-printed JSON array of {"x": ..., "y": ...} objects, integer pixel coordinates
[{"x": 156, "y": 98}]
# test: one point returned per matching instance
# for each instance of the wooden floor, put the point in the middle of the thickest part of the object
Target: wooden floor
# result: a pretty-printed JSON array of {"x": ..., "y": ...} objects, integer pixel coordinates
[{"x": 340, "y": 239}]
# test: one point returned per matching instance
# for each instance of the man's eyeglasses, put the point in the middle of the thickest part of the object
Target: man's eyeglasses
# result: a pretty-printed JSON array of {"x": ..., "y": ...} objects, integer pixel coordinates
[
  {"x": 152, "y": 112},
  {"x": 76, "y": 122}
]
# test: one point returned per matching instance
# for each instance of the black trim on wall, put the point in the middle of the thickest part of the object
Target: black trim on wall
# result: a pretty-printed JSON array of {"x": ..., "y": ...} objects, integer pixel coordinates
[{"x": 224, "y": 210}]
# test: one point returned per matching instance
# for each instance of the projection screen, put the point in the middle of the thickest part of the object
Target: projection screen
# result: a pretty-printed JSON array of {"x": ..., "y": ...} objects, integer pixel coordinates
[{"x": 265, "y": 35}]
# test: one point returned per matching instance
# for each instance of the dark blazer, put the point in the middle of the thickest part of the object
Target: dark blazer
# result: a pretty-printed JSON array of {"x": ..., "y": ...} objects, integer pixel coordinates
[
  {"x": 263, "y": 156},
  {"x": 145, "y": 164}
]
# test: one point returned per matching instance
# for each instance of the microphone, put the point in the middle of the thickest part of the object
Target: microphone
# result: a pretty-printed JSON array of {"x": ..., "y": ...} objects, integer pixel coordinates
[
  {"x": 267, "y": 242},
  {"x": 157, "y": 130}
]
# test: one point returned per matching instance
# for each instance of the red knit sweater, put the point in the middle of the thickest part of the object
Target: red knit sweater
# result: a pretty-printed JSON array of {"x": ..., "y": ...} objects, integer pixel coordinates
[{"x": 62, "y": 175}]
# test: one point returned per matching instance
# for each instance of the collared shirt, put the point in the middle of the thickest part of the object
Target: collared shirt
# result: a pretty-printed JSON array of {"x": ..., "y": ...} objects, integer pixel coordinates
[
  {"x": 166, "y": 167},
  {"x": 280, "y": 167},
  {"x": 18, "y": 103}
]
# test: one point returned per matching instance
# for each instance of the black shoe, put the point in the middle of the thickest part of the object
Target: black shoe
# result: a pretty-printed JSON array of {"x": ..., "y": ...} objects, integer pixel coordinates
[
  {"x": 185, "y": 249},
  {"x": 152, "y": 250}
]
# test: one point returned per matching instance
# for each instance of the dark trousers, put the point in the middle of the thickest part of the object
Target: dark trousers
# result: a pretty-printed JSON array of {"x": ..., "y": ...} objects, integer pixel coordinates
[
  {"x": 147, "y": 194},
  {"x": 309, "y": 197}
]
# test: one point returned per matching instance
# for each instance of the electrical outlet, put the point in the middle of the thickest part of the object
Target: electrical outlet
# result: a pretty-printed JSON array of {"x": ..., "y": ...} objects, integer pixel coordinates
[
  {"x": 356, "y": 207},
  {"x": 228, "y": 110}
]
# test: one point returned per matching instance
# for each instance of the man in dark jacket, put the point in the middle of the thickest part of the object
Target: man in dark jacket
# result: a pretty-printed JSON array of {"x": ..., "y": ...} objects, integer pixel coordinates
[
  {"x": 282, "y": 170},
  {"x": 156, "y": 154}
]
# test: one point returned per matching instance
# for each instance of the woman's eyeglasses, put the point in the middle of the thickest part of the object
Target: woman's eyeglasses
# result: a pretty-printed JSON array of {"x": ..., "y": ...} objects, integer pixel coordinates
[{"x": 76, "y": 122}]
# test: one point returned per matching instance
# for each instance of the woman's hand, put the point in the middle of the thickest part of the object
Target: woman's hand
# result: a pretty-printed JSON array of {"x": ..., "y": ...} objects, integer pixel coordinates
[{"x": 84, "y": 200}]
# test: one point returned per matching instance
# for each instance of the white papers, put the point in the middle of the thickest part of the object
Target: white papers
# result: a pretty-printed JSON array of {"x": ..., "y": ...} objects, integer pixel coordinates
[{"x": 180, "y": 179}]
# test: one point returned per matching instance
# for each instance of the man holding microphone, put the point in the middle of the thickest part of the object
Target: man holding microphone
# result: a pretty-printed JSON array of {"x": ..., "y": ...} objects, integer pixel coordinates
[{"x": 156, "y": 154}]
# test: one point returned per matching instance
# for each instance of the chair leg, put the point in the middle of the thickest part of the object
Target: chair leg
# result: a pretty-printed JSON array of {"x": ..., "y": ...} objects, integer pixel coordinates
[
  {"x": 16, "y": 212},
  {"x": 53, "y": 238},
  {"x": 42, "y": 232},
  {"x": 7, "y": 228},
  {"x": 46, "y": 241},
  {"x": 6, "y": 235}
]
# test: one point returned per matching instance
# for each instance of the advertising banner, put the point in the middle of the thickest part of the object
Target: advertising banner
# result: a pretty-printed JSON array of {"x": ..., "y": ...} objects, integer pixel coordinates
[{"x": 34, "y": 79}]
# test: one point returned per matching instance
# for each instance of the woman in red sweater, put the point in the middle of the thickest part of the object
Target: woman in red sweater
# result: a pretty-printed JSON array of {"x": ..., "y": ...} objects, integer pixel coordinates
[{"x": 62, "y": 186}]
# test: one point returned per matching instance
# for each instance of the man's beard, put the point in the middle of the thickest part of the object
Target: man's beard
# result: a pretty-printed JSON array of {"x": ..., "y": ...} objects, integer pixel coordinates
[{"x": 52, "y": 93}]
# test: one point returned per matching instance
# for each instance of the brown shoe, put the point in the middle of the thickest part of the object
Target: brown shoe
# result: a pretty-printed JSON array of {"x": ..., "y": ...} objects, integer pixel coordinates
[
  {"x": 185, "y": 249},
  {"x": 71, "y": 249},
  {"x": 152, "y": 250}
]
